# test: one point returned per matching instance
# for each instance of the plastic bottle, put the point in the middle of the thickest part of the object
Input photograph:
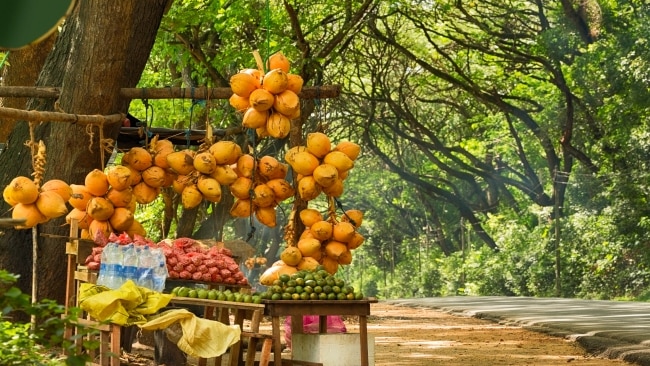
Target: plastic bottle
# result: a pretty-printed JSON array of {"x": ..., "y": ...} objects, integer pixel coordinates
[
  {"x": 103, "y": 266},
  {"x": 146, "y": 265},
  {"x": 110, "y": 268},
  {"x": 130, "y": 262},
  {"x": 160, "y": 276},
  {"x": 160, "y": 273}
]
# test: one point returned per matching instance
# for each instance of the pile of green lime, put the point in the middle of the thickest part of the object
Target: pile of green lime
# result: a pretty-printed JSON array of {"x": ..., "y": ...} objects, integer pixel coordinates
[
  {"x": 317, "y": 284},
  {"x": 214, "y": 294}
]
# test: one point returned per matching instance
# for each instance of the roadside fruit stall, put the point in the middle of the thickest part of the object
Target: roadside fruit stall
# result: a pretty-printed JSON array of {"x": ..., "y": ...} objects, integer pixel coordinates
[{"x": 302, "y": 281}]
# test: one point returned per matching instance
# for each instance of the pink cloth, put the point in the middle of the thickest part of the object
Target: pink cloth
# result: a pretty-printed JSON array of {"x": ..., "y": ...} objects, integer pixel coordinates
[{"x": 335, "y": 324}]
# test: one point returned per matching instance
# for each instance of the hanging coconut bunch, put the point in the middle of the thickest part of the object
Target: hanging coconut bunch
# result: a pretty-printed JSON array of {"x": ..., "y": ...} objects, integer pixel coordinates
[
  {"x": 105, "y": 203},
  {"x": 329, "y": 242},
  {"x": 321, "y": 167},
  {"x": 33, "y": 202},
  {"x": 150, "y": 169},
  {"x": 259, "y": 187},
  {"x": 268, "y": 101},
  {"x": 36, "y": 205},
  {"x": 201, "y": 174}
]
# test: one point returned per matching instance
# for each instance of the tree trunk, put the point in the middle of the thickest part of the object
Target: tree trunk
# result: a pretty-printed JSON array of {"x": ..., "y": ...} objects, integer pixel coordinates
[
  {"x": 102, "y": 47},
  {"x": 22, "y": 69}
]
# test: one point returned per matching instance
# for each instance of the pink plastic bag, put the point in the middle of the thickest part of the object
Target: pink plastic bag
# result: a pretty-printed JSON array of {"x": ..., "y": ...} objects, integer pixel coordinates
[{"x": 335, "y": 324}]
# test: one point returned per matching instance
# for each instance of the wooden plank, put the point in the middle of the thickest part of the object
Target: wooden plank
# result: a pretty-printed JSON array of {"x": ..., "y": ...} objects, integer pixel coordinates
[
  {"x": 313, "y": 92},
  {"x": 217, "y": 303}
]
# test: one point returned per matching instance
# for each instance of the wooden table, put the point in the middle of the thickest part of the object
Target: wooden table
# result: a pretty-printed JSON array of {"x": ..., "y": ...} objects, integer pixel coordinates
[
  {"x": 220, "y": 311},
  {"x": 296, "y": 309}
]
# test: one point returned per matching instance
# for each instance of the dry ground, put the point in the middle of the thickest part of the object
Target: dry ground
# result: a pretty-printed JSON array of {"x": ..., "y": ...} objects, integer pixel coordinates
[{"x": 423, "y": 337}]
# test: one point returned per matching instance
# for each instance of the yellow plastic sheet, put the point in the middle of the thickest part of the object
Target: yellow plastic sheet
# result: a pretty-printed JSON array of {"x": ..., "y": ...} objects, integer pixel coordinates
[
  {"x": 201, "y": 337},
  {"x": 127, "y": 305},
  {"x": 134, "y": 305}
]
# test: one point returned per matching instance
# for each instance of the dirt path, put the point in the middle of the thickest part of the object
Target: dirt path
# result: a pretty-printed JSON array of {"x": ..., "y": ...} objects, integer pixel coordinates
[
  {"x": 423, "y": 337},
  {"x": 406, "y": 336}
]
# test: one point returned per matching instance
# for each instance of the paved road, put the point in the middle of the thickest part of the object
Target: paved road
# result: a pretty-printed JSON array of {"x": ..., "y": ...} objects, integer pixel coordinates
[{"x": 611, "y": 329}]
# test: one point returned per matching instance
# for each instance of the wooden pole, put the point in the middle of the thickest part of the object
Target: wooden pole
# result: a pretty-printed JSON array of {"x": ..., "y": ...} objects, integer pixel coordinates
[
  {"x": 22, "y": 115},
  {"x": 312, "y": 92}
]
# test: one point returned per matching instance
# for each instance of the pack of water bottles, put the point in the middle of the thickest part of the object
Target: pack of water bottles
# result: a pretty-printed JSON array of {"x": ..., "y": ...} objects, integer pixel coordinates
[{"x": 144, "y": 265}]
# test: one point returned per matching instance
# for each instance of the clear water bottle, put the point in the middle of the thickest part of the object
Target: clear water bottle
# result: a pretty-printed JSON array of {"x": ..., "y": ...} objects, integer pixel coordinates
[
  {"x": 129, "y": 262},
  {"x": 110, "y": 268},
  {"x": 146, "y": 265},
  {"x": 160, "y": 276}
]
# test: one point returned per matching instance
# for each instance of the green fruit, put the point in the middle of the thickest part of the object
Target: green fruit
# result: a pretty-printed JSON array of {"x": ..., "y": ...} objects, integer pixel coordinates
[
  {"x": 322, "y": 296},
  {"x": 300, "y": 281},
  {"x": 193, "y": 293},
  {"x": 276, "y": 289},
  {"x": 248, "y": 299},
  {"x": 221, "y": 296},
  {"x": 284, "y": 277},
  {"x": 358, "y": 296},
  {"x": 295, "y": 296},
  {"x": 184, "y": 292},
  {"x": 286, "y": 296},
  {"x": 341, "y": 296},
  {"x": 320, "y": 267},
  {"x": 308, "y": 289},
  {"x": 291, "y": 283},
  {"x": 202, "y": 294},
  {"x": 299, "y": 289},
  {"x": 257, "y": 299},
  {"x": 304, "y": 296},
  {"x": 327, "y": 289},
  {"x": 336, "y": 289},
  {"x": 339, "y": 282},
  {"x": 276, "y": 296},
  {"x": 331, "y": 296},
  {"x": 277, "y": 283},
  {"x": 348, "y": 289},
  {"x": 175, "y": 290},
  {"x": 230, "y": 297},
  {"x": 313, "y": 296},
  {"x": 290, "y": 290},
  {"x": 318, "y": 289},
  {"x": 349, "y": 296},
  {"x": 311, "y": 283},
  {"x": 309, "y": 277},
  {"x": 323, "y": 273}
]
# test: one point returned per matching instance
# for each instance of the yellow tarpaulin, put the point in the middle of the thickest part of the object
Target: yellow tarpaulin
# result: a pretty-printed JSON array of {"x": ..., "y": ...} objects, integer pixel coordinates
[
  {"x": 127, "y": 305},
  {"x": 201, "y": 337},
  {"x": 134, "y": 305}
]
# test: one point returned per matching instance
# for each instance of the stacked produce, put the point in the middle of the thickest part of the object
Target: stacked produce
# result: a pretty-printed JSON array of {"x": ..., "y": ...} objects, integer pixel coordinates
[
  {"x": 187, "y": 259},
  {"x": 314, "y": 284},
  {"x": 259, "y": 188},
  {"x": 269, "y": 101},
  {"x": 214, "y": 294}
]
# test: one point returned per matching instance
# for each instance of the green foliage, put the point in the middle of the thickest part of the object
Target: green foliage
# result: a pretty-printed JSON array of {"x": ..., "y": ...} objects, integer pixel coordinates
[{"x": 28, "y": 344}]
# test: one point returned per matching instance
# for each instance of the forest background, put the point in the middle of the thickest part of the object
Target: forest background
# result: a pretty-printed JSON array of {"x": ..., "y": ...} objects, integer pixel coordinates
[{"x": 505, "y": 144}]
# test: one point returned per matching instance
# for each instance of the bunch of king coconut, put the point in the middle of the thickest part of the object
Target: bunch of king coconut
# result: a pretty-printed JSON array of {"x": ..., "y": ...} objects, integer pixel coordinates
[{"x": 268, "y": 101}]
